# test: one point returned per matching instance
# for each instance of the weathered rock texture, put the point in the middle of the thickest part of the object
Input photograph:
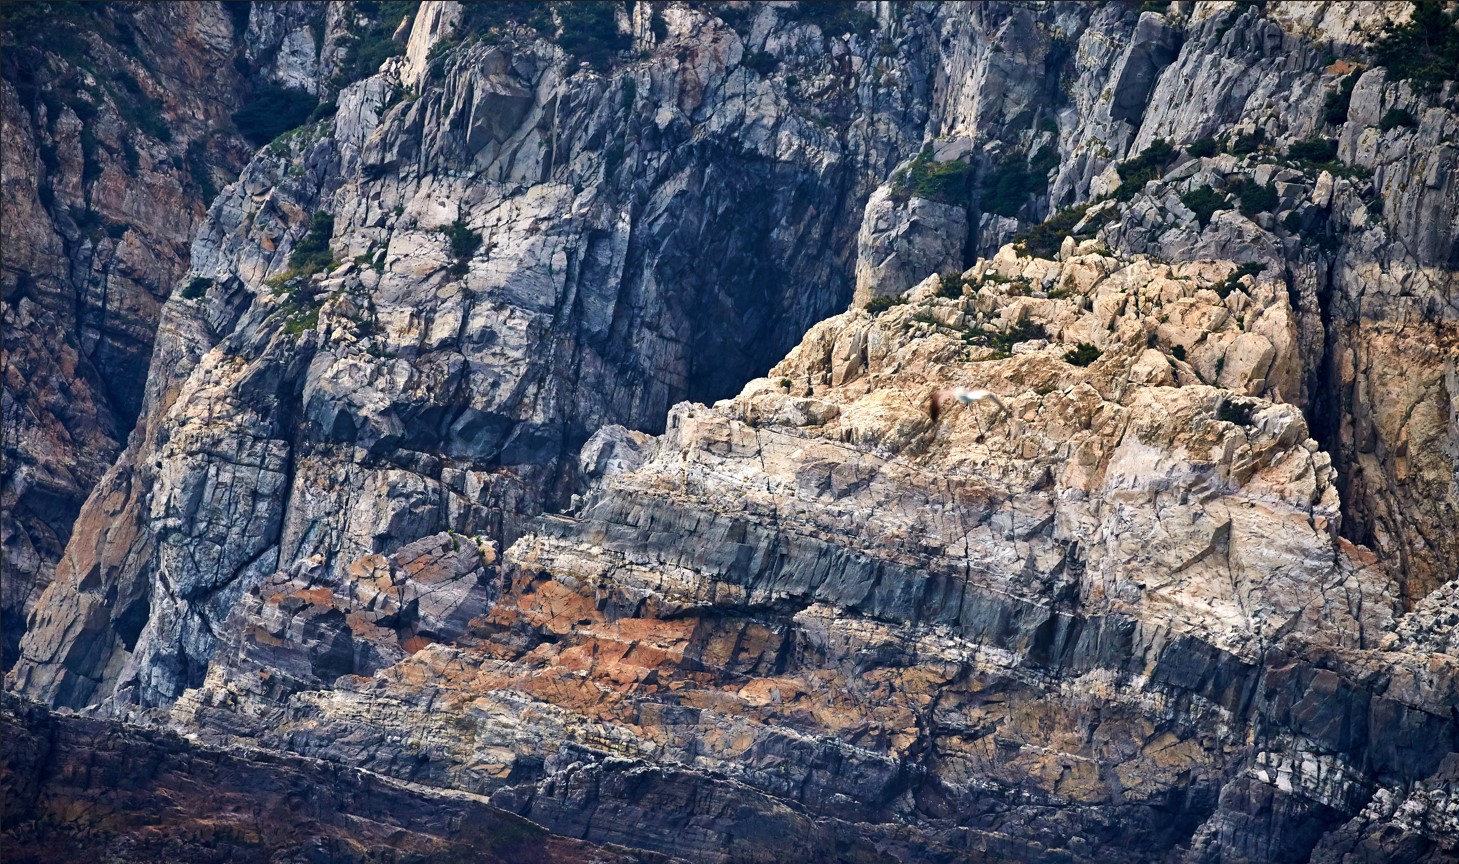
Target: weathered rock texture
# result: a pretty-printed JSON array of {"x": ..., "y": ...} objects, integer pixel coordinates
[
  {"x": 117, "y": 133},
  {"x": 1190, "y": 597},
  {"x": 83, "y": 788},
  {"x": 1115, "y": 621}
]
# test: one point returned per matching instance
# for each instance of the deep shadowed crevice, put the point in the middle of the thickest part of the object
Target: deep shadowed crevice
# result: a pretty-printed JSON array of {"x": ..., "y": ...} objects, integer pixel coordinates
[{"x": 1327, "y": 409}]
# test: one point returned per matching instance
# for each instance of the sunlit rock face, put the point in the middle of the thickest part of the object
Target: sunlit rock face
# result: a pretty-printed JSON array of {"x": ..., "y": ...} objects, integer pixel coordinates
[{"x": 554, "y": 429}]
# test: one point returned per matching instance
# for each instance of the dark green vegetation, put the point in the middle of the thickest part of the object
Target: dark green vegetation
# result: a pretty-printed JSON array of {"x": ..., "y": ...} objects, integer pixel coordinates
[
  {"x": 1335, "y": 108},
  {"x": 1394, "y": 118},
  {"x": 1320, "y": 154},
  {"x": 30, "y": 30},
  {"x": 1204, "y": 148},
  {"x": 762, "y": 62},
  {"x": 1232, "y": 282},
  {"x": 56, "y": 27},
  {"x": 1255, "y": 197},
  {"x": 1248, "y": 142},
  {"x": 135, "y": 106},
  {"x": 878, "y": 305},
  {"x": 311, "y": 254},
  {"x": 1424, "y": 51},
  {"x": 371, "y": 45},
  {"x": 951, "y": 286},
  {"x": 589, "y": 31},
  {"x": 202, "y": 175},
  {"x": 1204, "y": 202},
  {"x": 1232, "y": 411},
  {"x": 586, "y": 29},
  {"x": 1009, "y": 184},
  {"x": 1315, "y": 232},
  {"x": 464, "y": 243},
  {"x": 82, "y": 58},
  {"x": 1002, "y": 341},
  {"x": 490, "y": 21},
  {"x": 1149, "y": 165},
  {"x": 1082, "y": 354},
  {"x": 271, "y": 112},
  {"x": 1313, "y": 150},
  {"x": 944, "y": 182},
  {"x": 833, "y": 17},
  {"x": 196, "y": 288},
  {"x": 238, "y": 12},
  {"x": 1043, "y": 240}
]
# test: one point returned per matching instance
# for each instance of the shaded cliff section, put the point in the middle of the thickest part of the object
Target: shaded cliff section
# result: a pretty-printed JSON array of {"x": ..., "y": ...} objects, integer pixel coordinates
[
  {"x": 119, "y": 131},
  {"x": 83, "y": 788}
]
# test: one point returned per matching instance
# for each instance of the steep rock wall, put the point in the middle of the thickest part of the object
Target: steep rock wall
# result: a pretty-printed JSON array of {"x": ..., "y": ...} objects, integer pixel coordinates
[
  {"x": 1129, "y": 612},
  {"x": 117, "y": 136}
]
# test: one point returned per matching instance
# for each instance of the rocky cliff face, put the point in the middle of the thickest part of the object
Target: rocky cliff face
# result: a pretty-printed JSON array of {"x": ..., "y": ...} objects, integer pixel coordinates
[
  {"x": 1184, "y": 593},
  {"x": 1119, "y": 611},
  {"x": 118, "y": 133}
]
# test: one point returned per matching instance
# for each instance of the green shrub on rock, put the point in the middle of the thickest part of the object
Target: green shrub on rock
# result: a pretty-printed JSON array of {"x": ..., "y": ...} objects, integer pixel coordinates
[
  {"x": 878, "y": 305},
  {"x": 1204, "y": 202},
  {"x": 1082, "y": 354}
]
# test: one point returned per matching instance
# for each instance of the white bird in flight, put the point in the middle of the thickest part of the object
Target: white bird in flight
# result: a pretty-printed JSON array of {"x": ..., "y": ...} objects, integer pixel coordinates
[{"x": 963, "y": 395}]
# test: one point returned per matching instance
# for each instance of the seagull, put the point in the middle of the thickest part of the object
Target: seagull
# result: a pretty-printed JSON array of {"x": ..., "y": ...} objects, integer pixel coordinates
[{"x": 963, "y": 395}]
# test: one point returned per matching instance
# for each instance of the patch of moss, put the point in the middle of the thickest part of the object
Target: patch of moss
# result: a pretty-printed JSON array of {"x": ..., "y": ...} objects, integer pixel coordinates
[{"x": 944, "y": 182}]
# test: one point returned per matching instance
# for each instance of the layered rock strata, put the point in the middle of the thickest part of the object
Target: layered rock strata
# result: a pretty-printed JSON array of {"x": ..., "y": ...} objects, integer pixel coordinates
[
  {"x": 1116, "y": 620},
  {"x": 1188, "y": 598},
  {"x": 85, "y": 788}
]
